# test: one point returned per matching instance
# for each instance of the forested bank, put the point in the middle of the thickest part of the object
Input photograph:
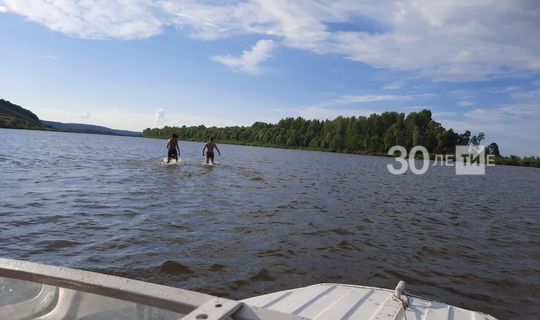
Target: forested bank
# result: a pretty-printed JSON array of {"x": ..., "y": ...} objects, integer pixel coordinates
[
  {"x": 364, "y": 135},
  {"x": 16, "y": 117}
]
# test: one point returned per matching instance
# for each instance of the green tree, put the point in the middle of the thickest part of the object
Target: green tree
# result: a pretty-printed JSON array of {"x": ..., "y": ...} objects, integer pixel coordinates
[{"x": 493, "y": 149}]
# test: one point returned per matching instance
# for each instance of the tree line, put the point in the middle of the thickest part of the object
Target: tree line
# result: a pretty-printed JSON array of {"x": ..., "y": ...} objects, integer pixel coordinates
[{"x": 374, "y": 134}]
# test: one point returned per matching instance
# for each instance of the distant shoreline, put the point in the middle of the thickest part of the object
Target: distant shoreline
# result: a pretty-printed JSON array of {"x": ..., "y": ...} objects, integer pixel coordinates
[
  {"x": 507, "y": 161},
  {"x": 504, "y": 161},
  {"x": 250, "y": 144},
  {"x": 74, "y": 131},
  {"x": 13, "y": 116}
]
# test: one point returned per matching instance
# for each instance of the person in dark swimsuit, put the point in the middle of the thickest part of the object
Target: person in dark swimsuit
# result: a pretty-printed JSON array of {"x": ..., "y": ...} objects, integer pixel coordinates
[
  {"x": 210, "y": 150},
  {"x": 174, "y": 149}
]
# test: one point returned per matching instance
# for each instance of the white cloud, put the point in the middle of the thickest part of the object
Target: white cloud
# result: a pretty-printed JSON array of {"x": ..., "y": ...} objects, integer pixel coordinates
[
  {"x": 369, "y": 98},
  {"x": 465, "y": 103},
  {"x": 373, "y": 98},
  {"x": 99, "y": 19},
  {"x": 297, "y": 22},
  {"x": 394, "y": 85},
  {"x": 338, "y": 107},
  {"x": 128, "y": 120},
  {"x": 86, "y": 115},
  {"x": 452, "y": 40},
  {"x": 528, "y": 97},
  {"x": 250, "y": 59},
  {"x": 514, "y": 128},
  {"x": 341, "y": 106},
  {"x": 322, "y": 113},
  {"x": 159, "y": 115}
]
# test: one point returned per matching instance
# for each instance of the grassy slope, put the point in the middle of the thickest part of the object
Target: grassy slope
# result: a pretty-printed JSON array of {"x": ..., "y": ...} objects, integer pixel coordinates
[{"x": 14, "y": 116}]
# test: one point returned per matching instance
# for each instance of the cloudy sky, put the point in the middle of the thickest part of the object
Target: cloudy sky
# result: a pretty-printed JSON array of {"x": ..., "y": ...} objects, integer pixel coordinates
[{"x": 133, "y": 64}]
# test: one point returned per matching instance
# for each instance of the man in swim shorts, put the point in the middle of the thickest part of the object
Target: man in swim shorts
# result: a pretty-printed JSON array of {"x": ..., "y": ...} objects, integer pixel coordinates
[
  {"x": 174, "y": 149},
  {"x": 210, "y": 150}
]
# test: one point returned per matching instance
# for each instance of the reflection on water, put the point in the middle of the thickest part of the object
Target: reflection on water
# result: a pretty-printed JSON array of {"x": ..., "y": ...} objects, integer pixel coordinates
[{"x": 263, "y": 219}]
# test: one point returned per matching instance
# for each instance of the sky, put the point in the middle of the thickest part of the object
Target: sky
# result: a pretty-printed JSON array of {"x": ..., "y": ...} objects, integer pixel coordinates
[{"x": 134, "y": 64}]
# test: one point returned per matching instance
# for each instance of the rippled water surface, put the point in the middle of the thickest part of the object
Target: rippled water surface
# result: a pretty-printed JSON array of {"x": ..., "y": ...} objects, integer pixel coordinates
[{"x": 265, "y": 219}]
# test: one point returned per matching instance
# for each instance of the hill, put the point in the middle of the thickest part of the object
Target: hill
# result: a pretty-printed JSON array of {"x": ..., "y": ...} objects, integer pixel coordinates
[
  {"x": 14, "y": 116},
  {"x": 88, "y": 128}
]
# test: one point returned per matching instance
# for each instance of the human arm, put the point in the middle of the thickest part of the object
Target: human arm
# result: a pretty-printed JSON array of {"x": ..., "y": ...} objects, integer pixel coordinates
[
  {"x": 204, "y": 148},
  {"x": 217, "y": 149}
]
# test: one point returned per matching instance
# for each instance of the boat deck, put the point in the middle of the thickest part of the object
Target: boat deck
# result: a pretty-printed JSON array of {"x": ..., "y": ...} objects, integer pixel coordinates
[{"x": 332, "y": 301}]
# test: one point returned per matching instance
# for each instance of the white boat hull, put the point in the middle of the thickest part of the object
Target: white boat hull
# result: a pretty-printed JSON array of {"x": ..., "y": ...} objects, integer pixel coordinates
[
  {"x": 36, "y": 291},
  {"x": 332, "y": 301}
]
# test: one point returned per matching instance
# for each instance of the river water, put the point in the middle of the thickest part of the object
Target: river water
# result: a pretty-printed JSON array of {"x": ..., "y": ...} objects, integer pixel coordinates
[{"x": 264, "y": 219}]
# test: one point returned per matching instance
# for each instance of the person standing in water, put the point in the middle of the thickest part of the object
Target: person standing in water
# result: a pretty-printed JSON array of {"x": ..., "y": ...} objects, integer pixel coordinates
[
  {"x": 209, "y": 146},
  {"x": 174, "y": 149}
]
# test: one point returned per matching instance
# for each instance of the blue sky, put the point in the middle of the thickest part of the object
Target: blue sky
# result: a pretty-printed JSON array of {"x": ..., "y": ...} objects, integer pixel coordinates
[{"x": 137, "y": 64}]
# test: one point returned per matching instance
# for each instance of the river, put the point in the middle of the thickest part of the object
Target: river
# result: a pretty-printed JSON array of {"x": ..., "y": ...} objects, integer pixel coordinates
[{"x": 265, "y": 219}]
